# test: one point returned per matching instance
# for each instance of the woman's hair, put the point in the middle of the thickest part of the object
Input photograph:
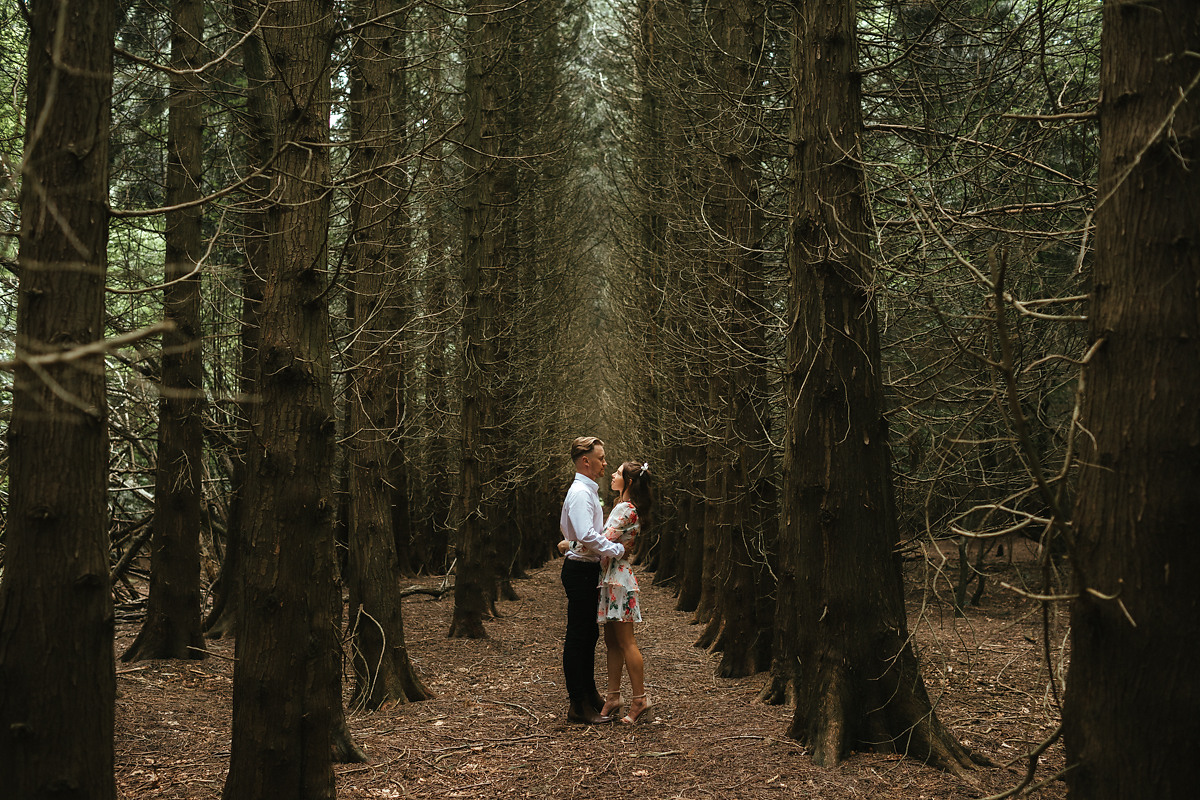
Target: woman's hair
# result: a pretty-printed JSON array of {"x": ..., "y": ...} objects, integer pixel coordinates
[{"x": 636, "y": 475}]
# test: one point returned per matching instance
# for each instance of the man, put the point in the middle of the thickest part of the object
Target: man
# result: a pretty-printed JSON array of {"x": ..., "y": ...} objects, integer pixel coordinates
[{"x": 582, "y": 521}]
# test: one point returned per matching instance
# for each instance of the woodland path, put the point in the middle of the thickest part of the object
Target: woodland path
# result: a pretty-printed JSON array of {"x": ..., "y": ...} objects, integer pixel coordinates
[{"x": 497, "y": 727}]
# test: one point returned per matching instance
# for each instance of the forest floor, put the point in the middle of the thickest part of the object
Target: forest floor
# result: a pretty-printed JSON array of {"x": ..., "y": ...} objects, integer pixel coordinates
[{"x": 498, "y": 728}]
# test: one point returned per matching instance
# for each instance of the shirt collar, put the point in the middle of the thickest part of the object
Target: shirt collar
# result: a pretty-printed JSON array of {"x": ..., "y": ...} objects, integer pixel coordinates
[{"x": 579, "y": 476}]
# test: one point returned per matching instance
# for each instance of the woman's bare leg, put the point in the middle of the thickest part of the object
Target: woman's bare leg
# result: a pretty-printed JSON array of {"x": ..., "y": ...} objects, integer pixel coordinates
[
  {"x": 616, "y": 663},
  {"x": 633, "y": 663}
]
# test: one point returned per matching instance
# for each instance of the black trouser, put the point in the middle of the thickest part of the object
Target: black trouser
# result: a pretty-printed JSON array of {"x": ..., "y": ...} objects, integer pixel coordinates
[{"x": 580, "y": 579}]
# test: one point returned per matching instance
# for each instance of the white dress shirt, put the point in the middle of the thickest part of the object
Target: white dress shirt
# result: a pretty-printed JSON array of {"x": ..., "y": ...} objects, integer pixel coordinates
[{"x": 582, "y": 521}]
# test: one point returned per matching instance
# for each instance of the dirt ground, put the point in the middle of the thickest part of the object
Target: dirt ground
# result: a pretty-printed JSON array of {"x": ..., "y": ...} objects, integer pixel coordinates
[{"x": 497, "y": 727}]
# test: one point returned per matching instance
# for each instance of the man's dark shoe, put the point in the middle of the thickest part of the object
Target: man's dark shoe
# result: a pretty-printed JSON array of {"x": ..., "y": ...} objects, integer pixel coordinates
[
  {"x": 585, "y": 716},
  {"x": 597, "y": 702}
]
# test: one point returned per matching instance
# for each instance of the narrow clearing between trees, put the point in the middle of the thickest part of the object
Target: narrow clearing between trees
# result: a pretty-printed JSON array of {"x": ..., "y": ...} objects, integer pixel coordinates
[{"x": 497, "y": 727}]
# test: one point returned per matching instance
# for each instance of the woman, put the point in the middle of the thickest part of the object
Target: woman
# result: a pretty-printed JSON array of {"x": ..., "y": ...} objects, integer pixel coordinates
[{"x": 619, "y": 595}]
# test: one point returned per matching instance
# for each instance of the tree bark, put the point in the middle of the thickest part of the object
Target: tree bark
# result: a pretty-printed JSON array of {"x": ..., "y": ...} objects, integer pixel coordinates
[
  {"x": 474, "y": 590},
  {"x": 57, "y": 680},
  {"x": 436, "y": 489},
  {"x": 857, "y": 681},
  {"x": 650, "y": 171},
  {"x": 690, "y": 529},
  {"x": 1131, "y": 707},
  {"x": 287, "y": 702},
  {"x": 739, "y": 630},
  {"x": 172, "y": 625},
  {"x": 715, "y": 508},
  {"x": 256, "y": 143},
  {"x": 383, "y": 673}
]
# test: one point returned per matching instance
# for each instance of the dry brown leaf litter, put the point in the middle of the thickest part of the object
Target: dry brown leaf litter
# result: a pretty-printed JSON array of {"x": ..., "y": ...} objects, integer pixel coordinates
[{"x": 497, "y": 728}]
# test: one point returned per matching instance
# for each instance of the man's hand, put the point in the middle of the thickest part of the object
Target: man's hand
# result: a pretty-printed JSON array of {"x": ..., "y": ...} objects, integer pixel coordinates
[{"x": 564, "y": 546}]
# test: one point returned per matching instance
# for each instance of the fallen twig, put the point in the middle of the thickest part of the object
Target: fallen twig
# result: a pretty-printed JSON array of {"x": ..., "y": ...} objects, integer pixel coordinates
[
  {"x": 438, "y": 593},
  {"x": 511, "y": 705}
]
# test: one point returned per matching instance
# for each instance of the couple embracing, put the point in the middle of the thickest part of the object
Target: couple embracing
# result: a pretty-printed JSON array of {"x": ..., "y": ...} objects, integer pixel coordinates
[{"x": 600, "y": 585}]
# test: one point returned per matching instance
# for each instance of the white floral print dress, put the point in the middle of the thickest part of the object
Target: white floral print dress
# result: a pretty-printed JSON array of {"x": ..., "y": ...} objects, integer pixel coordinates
[{"x": 618, "y": 584}]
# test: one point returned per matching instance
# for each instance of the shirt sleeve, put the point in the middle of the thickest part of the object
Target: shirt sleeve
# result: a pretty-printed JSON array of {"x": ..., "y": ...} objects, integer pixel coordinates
[
  {"x": 584, "y": 528},
  {"x": 618, "y": 521}
]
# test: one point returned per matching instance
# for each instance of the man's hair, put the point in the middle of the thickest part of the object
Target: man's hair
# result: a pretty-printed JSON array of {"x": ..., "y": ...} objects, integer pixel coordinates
[{"x": 584, "y": 445}]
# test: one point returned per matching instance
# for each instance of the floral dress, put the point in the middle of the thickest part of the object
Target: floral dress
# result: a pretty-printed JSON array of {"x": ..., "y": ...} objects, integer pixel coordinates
[{"x": 618, "y": 584}]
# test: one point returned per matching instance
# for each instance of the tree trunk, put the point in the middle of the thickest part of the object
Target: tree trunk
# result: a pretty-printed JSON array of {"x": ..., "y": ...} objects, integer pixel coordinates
[
  {"x": 172, "y": 625},
  {"x": 474, "y": 590},
  {"x": 651, "y": 170},
  {"x": 691, "y": 527},
  {"x": 857, "y": 684},
  {"x": 500, "y": 284},
  {"x": 57, "y": 681},
  {"x": 383, "y": 673},
  {"x": 435, "y": 488},
  {"x": 716, "y": 501},
  {"x": 1131, "y": 708},
  {"x": 227, "y": 589},
  {"x": 286, "y": 702},
  {"x": 739, "y": 631},
  {"x": 256, "y": 142}
]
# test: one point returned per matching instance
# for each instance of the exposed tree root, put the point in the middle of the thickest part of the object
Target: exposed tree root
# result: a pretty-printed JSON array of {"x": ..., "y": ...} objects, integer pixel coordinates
[
  {"x": 345, "y": 751},
  {"x": 159, "y": 638},
  {"x": 709, "y": 637},
  {"x": 843, "y": 710},
  {"x": 466, "y": 626},
  {"x": 777, "y": 691}
]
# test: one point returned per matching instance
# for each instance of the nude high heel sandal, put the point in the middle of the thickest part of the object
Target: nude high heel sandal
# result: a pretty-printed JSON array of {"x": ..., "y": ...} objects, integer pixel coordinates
[{"x": 629, "y": 719}]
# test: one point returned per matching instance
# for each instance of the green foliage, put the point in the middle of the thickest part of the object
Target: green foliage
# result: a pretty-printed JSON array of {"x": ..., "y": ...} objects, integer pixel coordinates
[{"x": 14, "y": 35}]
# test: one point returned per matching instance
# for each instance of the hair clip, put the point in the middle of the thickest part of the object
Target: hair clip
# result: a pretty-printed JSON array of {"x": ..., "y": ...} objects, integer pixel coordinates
[{"x": 646, "y": 467}]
